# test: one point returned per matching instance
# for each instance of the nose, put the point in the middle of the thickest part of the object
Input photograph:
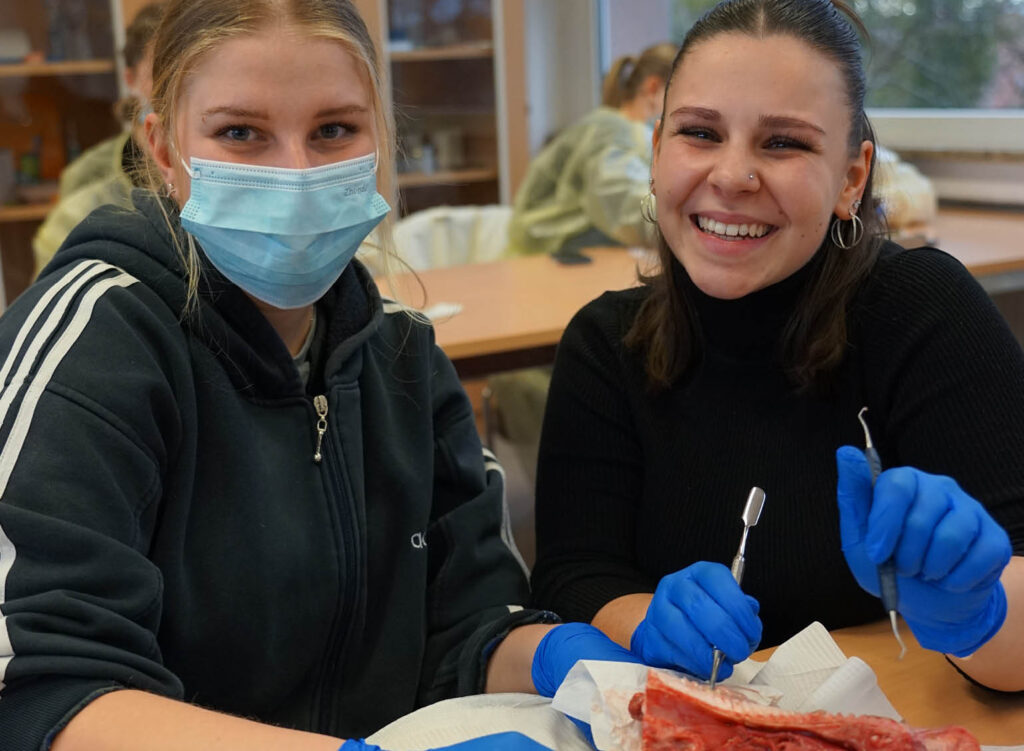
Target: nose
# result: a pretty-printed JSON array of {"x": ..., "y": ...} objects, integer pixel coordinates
[
  {"x": 734, "y": 172},
  {"x": 295, "y": 154}
]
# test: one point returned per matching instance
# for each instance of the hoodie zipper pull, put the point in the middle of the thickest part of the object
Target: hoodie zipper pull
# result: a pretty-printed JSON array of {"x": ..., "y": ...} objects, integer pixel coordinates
[{"x": 320, "y": 404}]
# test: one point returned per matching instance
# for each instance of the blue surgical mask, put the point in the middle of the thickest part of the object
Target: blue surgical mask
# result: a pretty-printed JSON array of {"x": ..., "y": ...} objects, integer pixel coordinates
[{"x": 283, "y": 235}]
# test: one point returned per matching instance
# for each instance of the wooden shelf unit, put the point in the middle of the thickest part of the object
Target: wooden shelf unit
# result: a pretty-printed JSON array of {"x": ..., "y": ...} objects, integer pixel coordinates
[
  {"x": 447, "y": 177},
  {"x": 28, "y": 212},
  {"x": 463, "y": 82},
  {"x": 466, "y": 51},
  {"x": 68, "y": 107},
  {"x": 62, "y": 68}
]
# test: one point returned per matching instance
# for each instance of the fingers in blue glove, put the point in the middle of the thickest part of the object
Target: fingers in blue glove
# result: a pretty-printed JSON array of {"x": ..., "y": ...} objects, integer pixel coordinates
[
  {"x": 509, "y": 741},
  {"x": 950, "y": 541},
  {"x": 692, "y": 612},
  {"x": 983, "y": 564},
  {"x": 563, "y": 646},
  {"x": 717, "y": 608},
  {"x": 948, "y": 550},
  {"x": 934, "y": 531}
]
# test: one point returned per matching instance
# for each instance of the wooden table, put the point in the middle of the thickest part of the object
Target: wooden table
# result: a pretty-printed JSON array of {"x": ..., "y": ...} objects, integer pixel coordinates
[
  {"x": 989, "y": 243},
  {"x": 514, "y": 310},
  {"x": 927, "y": 690}
]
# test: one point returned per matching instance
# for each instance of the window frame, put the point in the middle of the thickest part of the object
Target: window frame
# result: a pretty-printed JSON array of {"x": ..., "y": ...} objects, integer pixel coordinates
[{"x": 980, "y": 131}]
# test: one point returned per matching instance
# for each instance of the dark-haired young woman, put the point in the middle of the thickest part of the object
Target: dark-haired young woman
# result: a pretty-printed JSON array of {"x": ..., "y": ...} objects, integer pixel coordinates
[{"x": 779, "y": 313}]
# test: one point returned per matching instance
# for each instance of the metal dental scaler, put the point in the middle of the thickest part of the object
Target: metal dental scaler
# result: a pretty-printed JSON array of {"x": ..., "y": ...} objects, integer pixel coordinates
[
  {"x": 751, "y": 515},
  {"x": 888, "y": 590}
]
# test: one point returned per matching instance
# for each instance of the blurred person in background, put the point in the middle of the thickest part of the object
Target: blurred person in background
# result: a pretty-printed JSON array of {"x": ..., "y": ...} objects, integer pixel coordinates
[{"x": 585, "y": 187}]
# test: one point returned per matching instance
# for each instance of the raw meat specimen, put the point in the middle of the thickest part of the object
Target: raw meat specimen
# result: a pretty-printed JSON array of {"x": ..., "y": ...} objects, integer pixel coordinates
[{"x": 681, "y": 715}]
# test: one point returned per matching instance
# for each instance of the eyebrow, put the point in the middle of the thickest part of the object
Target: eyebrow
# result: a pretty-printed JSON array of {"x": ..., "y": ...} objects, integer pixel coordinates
[
  {"x": 765, "y": 121},
  {"x": 348, "y": 109},
  {"x": 780, "y": 121}
]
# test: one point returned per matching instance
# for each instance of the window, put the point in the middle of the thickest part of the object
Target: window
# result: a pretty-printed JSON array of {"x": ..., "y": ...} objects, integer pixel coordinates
[{"x": 943, "y": 75}]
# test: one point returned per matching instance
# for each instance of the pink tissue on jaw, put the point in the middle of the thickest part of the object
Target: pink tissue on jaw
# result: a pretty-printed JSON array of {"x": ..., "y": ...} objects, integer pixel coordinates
[{"x": 681, "y": 715}]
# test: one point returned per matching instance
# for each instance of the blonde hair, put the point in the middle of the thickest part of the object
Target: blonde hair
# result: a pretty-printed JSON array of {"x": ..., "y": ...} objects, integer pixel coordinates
[
  {"x": 623, "y": 80},
  {"x": 191, "y": 29}
]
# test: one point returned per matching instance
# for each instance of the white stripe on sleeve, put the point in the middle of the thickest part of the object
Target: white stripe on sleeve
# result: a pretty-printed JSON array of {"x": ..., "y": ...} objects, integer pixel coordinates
[{"x": 23, "y": 420}]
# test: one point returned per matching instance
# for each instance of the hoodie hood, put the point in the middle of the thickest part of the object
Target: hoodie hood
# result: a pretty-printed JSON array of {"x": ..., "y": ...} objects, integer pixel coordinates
[{"x": 225, "y": 320}]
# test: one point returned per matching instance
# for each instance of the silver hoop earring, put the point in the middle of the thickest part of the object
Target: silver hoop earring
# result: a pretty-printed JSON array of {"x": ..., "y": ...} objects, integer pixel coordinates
[
  {"x": 171, "y": 190},
  {"x": 854, "y": 235},
  {"x": 649, "y": 208}
]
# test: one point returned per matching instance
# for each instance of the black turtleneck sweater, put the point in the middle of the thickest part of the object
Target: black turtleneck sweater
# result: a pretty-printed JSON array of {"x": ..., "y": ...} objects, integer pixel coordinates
[{"x": 632, "y": 486}]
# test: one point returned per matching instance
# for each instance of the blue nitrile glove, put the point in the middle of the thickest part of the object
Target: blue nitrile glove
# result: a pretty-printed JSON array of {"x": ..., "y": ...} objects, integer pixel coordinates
[
  {"x": 497, "y": 742},
  {"x": 561, "y": 648},
  {"x": 693, "y": 611},
  {"x": 563, "y": 645},
  {"x": 949, "y": 552}
]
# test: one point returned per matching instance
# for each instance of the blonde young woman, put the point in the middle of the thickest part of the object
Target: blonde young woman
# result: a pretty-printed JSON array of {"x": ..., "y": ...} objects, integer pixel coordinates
[{"x": 244, "y": 505}]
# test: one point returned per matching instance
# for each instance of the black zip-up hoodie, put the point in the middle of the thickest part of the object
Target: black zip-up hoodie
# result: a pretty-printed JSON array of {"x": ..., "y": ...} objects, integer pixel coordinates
[{"x": 164, "y": 525}]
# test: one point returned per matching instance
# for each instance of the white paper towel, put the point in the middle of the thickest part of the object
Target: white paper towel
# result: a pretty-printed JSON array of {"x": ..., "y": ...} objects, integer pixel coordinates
[{"x": 806, "y": 673}]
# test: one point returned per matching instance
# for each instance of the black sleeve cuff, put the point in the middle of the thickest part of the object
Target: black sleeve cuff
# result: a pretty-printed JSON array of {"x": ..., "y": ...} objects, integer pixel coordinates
[
  {"x": 478, "y": 649},
  {"x": 34, "y": 710}
]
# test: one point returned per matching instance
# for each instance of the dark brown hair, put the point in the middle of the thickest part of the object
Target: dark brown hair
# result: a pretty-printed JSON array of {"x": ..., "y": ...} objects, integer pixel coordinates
[
  {"x": 814, "y": 341},
  {"x": 623, "y": 80}
]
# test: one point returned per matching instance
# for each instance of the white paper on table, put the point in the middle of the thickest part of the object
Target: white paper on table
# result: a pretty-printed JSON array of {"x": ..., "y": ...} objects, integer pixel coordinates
[
  {"x": 456, "y": 720},
  {"x": 806, "y": 673},
  {"x": 599, "y": 692}
]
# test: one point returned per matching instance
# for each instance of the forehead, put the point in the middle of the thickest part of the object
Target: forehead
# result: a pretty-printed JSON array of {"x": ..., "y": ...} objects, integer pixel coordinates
[
  {"x": 281, "y": 69},
  {"x": 779, "y": 72}
]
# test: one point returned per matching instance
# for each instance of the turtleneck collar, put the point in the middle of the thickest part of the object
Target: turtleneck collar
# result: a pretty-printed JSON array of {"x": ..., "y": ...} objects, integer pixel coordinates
[{"x": 750, "y": 327}]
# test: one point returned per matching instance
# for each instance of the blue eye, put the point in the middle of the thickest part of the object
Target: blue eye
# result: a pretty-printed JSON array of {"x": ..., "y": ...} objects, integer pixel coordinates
[
  {"x": 332, "y": 131},
  {"x": 236, "y": 132}
]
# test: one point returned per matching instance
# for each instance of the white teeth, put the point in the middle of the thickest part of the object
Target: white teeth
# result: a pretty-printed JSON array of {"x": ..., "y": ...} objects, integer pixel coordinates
[{"x": 731, "y": 230}]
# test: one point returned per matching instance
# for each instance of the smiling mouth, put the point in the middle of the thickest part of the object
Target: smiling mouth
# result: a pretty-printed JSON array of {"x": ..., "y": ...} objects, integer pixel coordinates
[{"x": 724, "y": 231}]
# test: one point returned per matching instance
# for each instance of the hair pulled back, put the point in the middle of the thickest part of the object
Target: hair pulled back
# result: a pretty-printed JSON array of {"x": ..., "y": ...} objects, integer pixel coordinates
[
  {"x": 814, "y": 341},
  {"x": 623, "y": 80}
]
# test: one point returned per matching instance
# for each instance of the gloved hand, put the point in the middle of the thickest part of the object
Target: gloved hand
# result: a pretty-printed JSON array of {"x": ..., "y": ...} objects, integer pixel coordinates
[
  {"x": 560, "y": 649},
  {"x": 496, "y": 742},
  {"x": 948, "y": 551},
  {"x": 693, "y": 611},
  {"x": 563, "y": 645}
]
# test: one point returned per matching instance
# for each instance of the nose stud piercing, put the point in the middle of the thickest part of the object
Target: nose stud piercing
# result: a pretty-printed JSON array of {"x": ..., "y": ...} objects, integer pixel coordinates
[{"x": 750, "y": 176}]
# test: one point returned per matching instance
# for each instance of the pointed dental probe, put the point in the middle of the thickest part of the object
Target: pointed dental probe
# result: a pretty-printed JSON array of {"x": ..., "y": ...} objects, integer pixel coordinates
[
  {"x": 751, "y": 515},
  {"x": 889, "y": 593}
]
